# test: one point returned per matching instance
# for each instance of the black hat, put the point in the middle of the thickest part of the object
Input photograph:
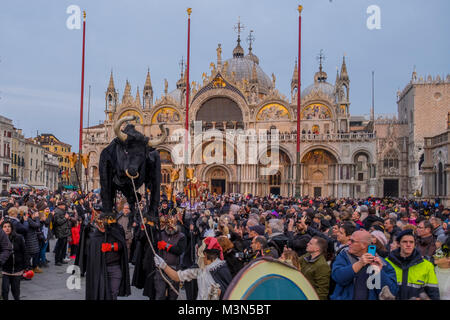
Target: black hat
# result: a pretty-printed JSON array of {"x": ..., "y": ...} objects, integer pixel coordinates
[
  {"x": 259, "y": 229},
  {"x": 164, "y": 201},
  {"x": 407, "y": 232}
]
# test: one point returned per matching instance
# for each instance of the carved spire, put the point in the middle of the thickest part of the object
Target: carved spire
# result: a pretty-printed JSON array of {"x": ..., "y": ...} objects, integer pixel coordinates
[
  {"x": 127, "y": 92},
  {"x": 148, "y": 81},
  {"x": 111, "y": 96},
  {"x": 148, "y": 91},
  {"x": 138, "y": 98},
  {"x": 295, "y": 73},
  {"x": 337, "y": 76},
  {"x": 111, "y": 82},
  {"x": 344, "y": 74}
]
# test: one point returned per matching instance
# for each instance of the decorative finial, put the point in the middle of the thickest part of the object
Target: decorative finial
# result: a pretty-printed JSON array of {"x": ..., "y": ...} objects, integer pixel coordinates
[
  {"x": 321, "y": 58},
  {"x": 189, "y": 11},
  {"x": 84, "y": 15},
  {"x": 238, "y": 28},
  {"x": 300, "y": 9},
  {"x": 250, "y": 40},
  {"x": 219, "y": 55},
  {"x": 181, "y": 64}
]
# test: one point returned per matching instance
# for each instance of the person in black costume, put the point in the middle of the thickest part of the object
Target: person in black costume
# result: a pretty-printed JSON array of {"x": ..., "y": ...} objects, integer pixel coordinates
[
  {"x": 86, "y": 231},
  {"x": 144, "y": 270},
  {"x": 171, "y": 244},
  {"x": 107, "y": 273}
]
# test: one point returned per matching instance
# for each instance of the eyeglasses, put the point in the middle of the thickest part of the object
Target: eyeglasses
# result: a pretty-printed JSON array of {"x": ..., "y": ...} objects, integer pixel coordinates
[{"x": 353, "y": 240}]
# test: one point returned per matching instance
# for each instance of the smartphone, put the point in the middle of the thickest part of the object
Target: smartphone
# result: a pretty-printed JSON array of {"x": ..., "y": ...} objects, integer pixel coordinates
[{"x": 372, "y": 250}]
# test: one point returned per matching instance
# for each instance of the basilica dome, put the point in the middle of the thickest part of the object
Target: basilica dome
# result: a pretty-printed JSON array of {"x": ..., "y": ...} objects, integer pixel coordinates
[
  {"x": 243, "y": 66},
  {"x": 324, "y": 87}
]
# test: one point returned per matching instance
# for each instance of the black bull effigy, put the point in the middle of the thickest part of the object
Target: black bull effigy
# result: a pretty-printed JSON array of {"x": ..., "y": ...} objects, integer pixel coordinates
[{"x": 131, "y": 155}]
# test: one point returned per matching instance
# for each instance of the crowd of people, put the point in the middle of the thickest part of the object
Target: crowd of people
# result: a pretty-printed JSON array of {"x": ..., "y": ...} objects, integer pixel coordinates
[{"x": 200, "y": 245}]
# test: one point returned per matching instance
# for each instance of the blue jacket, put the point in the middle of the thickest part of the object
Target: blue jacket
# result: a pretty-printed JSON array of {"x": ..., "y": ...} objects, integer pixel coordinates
[{"x": 344, "y": 276}]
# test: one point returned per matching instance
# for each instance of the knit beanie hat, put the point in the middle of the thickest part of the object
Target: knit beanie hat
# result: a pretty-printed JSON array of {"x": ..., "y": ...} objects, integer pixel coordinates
[{"x": 380, "y": 236}]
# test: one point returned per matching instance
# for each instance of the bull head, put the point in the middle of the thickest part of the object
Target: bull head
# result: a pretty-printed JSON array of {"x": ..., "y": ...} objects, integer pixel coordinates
[{"x": 123, "y": 136}]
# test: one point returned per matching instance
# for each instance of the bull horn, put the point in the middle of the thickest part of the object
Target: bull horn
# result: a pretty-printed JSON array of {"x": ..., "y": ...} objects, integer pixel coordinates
[
  {"x": 122, "y": 136},
  {"x": 154, "y": 143}
]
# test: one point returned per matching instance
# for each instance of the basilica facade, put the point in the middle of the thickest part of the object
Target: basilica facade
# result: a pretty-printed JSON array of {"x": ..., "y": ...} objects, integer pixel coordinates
[{"x": 340, "y": 155}]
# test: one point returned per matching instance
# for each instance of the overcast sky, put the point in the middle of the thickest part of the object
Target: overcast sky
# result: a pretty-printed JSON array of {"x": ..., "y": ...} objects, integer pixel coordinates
[{"x": 41, "y": 58}]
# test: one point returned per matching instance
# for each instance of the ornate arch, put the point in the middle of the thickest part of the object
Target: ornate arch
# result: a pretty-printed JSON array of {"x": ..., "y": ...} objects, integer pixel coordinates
[
  {"x": 130, "y": 111},
  {"x": 365, "y": 152},
  {"x": 281, "y": 148},
  {"x": 161, "y": 108},
  {"x": 320, "y": 103},
  {"x": 268, "y": 104},
  {"x": 202, "y": 145},
  {"x": 212, "y": 166},
  {"x": 324, "y": 147},
  {"x": 216, "y": 93}
]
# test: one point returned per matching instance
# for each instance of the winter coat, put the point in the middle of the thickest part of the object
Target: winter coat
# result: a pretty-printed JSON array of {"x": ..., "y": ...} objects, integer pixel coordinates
[
  {"x": 426, "y": 247},
  {"x": 126, "y": 222},
  {"x": 61, "y": 227},
  {"x": 298, "y": 242},
  {"x": 31, "y": 238},
  {"x": 233, "y": 262},
  {"x": 439, "y": 231},
  {"x": 18, "y": 226},
  {"x": 16, "y": 261},
  {"x": 278, "y": 241},
  {"x": 317, "y": 271},
  {"x": 414, "y": 275},
  {"x": 344, "y": 276},
  {"x": 5, "y": 247}
]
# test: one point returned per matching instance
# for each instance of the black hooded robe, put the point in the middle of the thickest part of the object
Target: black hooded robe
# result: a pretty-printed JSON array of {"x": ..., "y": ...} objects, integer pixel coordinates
[
  {"x": 145, "y": 268},
  {"x": 97, "y": 285}
]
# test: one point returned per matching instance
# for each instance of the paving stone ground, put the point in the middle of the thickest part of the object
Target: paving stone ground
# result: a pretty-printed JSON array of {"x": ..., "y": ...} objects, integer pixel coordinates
[{"x": 51, "y": 284}]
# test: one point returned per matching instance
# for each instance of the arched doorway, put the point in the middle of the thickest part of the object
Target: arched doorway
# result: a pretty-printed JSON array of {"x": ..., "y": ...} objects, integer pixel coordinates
[
  {"x": 275, "y": 179},
  {"x": 362, "y": 174},
  {"x": 319, "y": 171},
  {"x": 217, "y": 179}
]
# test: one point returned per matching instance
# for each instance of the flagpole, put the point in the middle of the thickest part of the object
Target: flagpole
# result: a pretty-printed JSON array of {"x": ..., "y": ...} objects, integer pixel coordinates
[
  {"x": 187, "y": 136},
  {"x": 297, "y": 180},
  {"x": 80, "y": 148}
]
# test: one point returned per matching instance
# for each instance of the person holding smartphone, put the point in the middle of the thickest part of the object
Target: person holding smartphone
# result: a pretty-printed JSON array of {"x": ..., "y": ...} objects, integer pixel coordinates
[{"x": 351, "y": 271}]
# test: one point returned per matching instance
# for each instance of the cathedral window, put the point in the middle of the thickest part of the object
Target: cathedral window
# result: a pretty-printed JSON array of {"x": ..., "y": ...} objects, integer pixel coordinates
[{"x": 390, "y": 160}]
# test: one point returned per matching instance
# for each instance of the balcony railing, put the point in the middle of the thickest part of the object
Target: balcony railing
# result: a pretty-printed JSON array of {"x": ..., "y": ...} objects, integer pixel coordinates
[
  {"x": 292, "y": 137},
  {"x": 442, "y": 138}
]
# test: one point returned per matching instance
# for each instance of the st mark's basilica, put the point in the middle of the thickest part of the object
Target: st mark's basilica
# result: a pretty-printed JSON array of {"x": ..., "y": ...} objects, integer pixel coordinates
[{"x": 341, "y": 155}]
